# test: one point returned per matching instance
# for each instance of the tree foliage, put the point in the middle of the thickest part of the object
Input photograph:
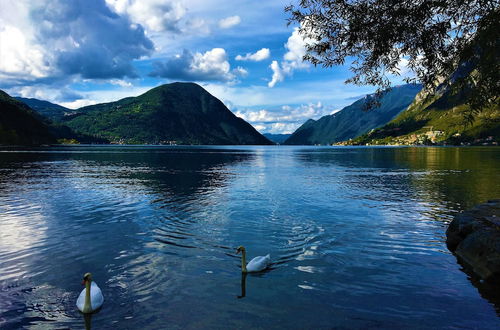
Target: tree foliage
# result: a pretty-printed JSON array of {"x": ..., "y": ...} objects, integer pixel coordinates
[{"x": 451, "y": 42}]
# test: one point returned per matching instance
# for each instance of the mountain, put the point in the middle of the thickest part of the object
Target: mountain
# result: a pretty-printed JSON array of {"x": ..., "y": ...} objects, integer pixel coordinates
[
  {"x": 52, "y": 111},
  {"x": 20, "y": 125},
  {"x": 277, "y": 138},
  {"x": 354, "y": 120},
  {"x": 438, "y": 118},
  {"x": 181, "y": 113}
]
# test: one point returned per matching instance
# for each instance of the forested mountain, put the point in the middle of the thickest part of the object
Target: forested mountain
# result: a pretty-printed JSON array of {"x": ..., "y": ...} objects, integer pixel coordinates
[
  {"x": 181, "y": 113},
  {"x": 438, "y": 118},
  {"x": 54, "y": 112},
  {"x": 20, "y": 125}
]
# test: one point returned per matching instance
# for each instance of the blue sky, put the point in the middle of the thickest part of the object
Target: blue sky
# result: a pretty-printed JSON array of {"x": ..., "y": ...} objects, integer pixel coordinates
[{"x": 83, "y": 52}]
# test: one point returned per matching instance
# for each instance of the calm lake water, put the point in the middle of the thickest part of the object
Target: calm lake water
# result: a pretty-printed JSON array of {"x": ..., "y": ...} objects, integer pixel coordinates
[{"x": 357, "y": 236}]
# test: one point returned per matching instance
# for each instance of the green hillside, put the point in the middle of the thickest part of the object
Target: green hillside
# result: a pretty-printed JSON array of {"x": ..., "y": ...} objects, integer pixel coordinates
[
  {"x": 438, "y": 119},
  {"x": 354, "y": 120},
  {"x": 20, "y": 125},
  {"x": 181, "y": 113}
]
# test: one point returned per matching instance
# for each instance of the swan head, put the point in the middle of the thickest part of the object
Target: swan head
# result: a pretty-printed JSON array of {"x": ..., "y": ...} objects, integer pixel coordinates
[
  {"x": 240, "y": 249},
  {"x": 87, "y": 277}
]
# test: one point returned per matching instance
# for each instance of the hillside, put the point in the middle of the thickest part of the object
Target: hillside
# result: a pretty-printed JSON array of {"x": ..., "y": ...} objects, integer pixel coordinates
[
  {"x": 438, "y": 119},
  {"x": 181, "y": 113},
  {"x": 49, "y": 110},
  {"x": 354, "y": 120},
  {"x": 20, "y": 125}
]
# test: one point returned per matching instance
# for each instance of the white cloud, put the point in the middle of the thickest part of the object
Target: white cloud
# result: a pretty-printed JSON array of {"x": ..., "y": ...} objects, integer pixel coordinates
[
  {"x": 213, "y": 61},
  {"x": 259, "y": 55},
  {"x": 78, "y": 103},
  {"x": 296, "y": 46},
  {"x": 211, "y": 65},
  {"x": 154, "y": 15},
  {"x": 56, "y": 40},
  {"x": 278, "y": 74},
  {"x": 292, "y": 60},
  {"x": 229, "y": 22},
  {"x": 284, "y": 119},
  {"x": 19, "y": 57},
  {"x": 285, "y": 113}
]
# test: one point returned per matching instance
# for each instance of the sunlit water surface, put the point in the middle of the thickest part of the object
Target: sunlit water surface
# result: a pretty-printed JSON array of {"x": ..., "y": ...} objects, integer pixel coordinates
[{"x": 357, "y": 236}]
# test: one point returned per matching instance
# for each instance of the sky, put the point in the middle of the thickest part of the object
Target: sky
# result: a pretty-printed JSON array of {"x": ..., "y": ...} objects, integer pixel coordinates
[{"x": 82, "y": 52}]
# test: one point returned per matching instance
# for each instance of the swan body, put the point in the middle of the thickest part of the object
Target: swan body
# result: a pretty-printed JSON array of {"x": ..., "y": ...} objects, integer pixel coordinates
[
  {"x": 91, "y": 298},
  {"x": 257, "y": 264}
]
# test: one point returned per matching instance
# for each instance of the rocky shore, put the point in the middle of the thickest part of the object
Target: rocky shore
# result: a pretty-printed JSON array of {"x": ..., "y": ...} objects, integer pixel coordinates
[{"x": 474, "y": 237}]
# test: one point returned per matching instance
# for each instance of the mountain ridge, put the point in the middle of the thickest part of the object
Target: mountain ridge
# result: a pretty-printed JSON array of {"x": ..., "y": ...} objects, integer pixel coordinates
[
  {"x": 180, "y": 113},
  {"x": 438, "y": 119},
  {"x": 49, "y": 110},
  {"x": 353, "y": 120},
  {"x": 20, "y": 125}
]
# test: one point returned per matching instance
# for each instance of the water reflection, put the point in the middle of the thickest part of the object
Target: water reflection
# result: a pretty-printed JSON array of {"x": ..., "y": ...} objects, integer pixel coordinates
[
  {"x": 75, "y": 206},
  {"x": 439, "y": 181},
  {"x": 460, "y": 176},
  {"x": 243, "y": 285},
  {"x": 356, "y": 236},
  {"x": 87, "y": 319}
]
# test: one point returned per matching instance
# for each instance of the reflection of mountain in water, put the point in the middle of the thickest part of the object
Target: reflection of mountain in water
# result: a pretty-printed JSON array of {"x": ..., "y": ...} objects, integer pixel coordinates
[
  {"x": 461, "y": 176},
  {"x": 77, "y": 202},
  {"x": 440, "y": 181}
]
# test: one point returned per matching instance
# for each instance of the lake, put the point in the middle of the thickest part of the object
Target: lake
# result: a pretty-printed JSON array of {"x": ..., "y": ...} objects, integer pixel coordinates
[{"x": 356, "y": 236}]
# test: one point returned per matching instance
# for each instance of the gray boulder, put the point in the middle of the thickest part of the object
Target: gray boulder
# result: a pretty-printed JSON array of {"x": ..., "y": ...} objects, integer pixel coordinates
[{"x": 474, "y": 237}]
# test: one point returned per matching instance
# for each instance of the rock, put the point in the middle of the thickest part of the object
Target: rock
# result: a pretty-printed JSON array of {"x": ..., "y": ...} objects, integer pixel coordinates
[{"x": 474, "y": 237}]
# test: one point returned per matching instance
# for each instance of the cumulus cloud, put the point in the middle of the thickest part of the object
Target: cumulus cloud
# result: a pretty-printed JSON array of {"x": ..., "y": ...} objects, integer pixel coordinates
[
  {"x": 209, "y": 66},
  {"x": 229, "y": 22},
  {"x": 278, "y": 74},
  {"x": 285, "y": 119},
  {"x": 259, "y": 55},
  {"x": 154, "y": 15},
  {"x": 53, "y": 39},
  {"x": 296, "y": 46},
  {"x": 292, "y": 60}
]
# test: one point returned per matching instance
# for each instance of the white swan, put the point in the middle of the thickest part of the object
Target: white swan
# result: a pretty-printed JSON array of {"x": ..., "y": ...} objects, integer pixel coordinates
[
  {"x": 91, "y": 297},
  {"x": 257, "y": 264}
]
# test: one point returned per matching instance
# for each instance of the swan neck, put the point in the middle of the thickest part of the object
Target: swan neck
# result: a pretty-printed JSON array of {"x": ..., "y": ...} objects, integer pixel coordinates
[
  {"x": 243, "y": 261},
  {"x": 87, "y": 307}
]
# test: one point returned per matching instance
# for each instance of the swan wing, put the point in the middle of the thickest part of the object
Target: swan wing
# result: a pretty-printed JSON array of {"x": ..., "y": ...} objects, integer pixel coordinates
[
  {"x": 259, "y": 263},
  {"x": 81, "y": 300},
  {"x": 96, "y": 297}
]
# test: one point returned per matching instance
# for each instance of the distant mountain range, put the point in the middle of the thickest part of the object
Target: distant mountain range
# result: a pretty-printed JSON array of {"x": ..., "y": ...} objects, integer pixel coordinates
[
  {"x": 178, "y": 113},
  {"x": 184, "y": 113},
  {"x": 277, "y": 138},
  {"x": 354, "y": 119},
  {"x": 54, "y": 112}
]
